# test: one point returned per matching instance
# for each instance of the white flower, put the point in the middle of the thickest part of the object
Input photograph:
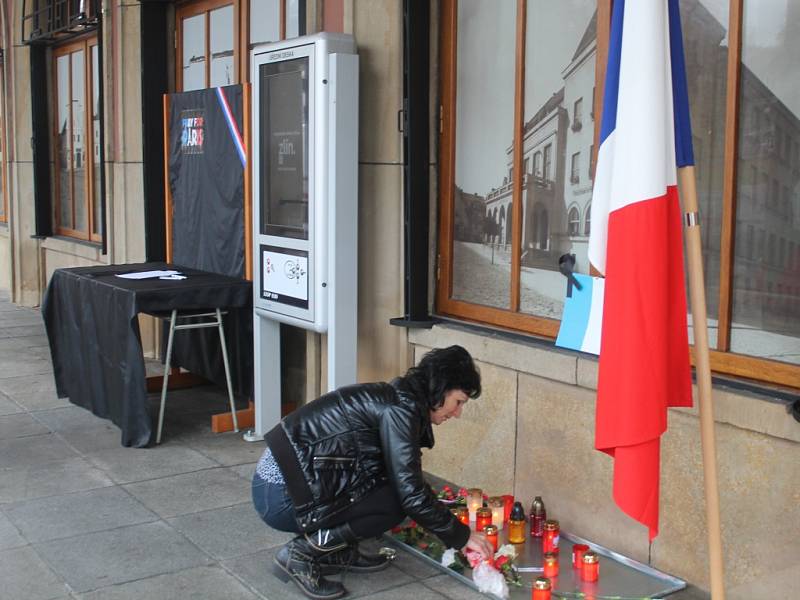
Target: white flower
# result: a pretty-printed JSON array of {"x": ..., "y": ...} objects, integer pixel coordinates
[
  {"x": 489, "y": 580},
  {"x": 506, "y": 550},
  {"x": 449, "y": 557}
]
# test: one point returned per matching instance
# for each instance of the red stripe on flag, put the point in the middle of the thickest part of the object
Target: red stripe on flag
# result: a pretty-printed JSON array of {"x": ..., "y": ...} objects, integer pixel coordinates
[{"x": 644, "y": 353}]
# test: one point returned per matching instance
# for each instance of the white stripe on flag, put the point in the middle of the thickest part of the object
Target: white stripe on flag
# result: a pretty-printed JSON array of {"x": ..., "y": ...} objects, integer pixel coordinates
[{"x": 591, "y": 340}]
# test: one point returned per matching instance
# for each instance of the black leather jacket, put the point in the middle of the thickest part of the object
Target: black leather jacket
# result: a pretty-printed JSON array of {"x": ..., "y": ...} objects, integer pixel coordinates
[{"x": 337, "y": 449}]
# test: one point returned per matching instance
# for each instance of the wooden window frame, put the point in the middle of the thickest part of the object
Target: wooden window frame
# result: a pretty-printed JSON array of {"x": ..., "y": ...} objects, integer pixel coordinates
[
  {"x": 723, "y": 361},
  {"x": 85, "y": 44},
  {"x": 205, "y": 7}
]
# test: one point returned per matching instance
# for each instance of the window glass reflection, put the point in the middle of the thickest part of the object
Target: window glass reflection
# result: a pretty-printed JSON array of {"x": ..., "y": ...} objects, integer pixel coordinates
[
  {"x": 560, "y": 49},
  {"x": 482, "y": 195},
  {"x": 96, "y": 164},
  {"x": 221, "y": 39},
  {"x": 64, "y": 142},
  {"x": 194, "y": 53},
  {"x": 79, "y": 140},
  {"x": 265, "y": 21},
  {"x": 293, "y": 18},
  {"x": 766, "y": 267}
]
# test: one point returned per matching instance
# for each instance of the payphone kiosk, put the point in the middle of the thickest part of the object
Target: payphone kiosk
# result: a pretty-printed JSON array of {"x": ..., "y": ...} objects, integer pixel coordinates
[{"x": 305, "y": 194}]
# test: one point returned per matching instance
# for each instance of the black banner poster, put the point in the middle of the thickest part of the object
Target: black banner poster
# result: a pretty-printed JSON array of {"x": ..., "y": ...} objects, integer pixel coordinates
[{"x": 206, "y": 179}]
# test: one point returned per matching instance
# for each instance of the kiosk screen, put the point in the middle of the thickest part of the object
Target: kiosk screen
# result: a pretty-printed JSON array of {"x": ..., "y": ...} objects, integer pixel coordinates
[{"x": 284, "y": 140}]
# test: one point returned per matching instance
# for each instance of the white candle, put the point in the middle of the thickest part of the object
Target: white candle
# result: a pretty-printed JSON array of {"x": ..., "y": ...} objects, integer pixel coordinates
[
  {"x": 497, "y": 516},
  {"x": 474, "y": 502}
]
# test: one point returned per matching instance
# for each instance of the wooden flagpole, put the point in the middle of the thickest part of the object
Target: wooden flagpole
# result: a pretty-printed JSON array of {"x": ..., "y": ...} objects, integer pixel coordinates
[{"x": 697, "y": 297}]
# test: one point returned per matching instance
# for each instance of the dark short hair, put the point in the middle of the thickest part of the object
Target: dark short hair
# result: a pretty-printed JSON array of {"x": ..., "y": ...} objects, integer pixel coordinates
[{"x": 442, "y": 370}]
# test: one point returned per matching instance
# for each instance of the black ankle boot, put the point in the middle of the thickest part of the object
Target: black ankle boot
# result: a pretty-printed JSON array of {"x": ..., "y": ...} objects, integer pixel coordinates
[
  {"x": 298, "y": 561},
  {"x": 352, "y": 559}
]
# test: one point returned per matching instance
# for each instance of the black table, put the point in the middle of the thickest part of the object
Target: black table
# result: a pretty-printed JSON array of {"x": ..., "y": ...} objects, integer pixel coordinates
[{"x": 91, "y": 320}]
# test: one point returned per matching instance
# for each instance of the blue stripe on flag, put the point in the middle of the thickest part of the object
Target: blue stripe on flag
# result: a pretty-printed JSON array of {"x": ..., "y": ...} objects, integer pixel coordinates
[
  {"x": 611, "y": 93},
  {"x": 684, "y": 153},
  {"x": 575, "y": 318}
]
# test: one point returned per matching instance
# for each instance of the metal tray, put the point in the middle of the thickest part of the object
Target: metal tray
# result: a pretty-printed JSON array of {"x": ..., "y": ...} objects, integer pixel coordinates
[{"x": 621, "y": 578}]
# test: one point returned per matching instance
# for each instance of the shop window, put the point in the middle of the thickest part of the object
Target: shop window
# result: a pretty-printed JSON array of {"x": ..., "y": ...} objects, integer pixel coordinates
[
  {"x": 207, "y": 53},
  {"x": 213, "y": 47},
  {"x": 524, "y": 76},
  {"x": 76, "y": 139}
]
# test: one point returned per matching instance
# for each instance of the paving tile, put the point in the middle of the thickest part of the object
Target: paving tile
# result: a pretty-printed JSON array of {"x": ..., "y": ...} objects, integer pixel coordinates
[
  {"x": 229, "y": 532},
  {"x": 24, "y": 575},
  {"x": 32, "y": 450},
  {"x": 20, "y": 318},
  {"x": 126, "y": 465},
  {"x": 8, "y": 406},
  {"x": 13, "y": 331},
  {"x": 191, "y": 492},
  {"x": 96, "y": 560},
  {"x": 407, "y": 562},
  {"x": 13, "y": 368},
  {"x": 417, "y": 591},
  {"x": 50, "y": 478},
  {"x": 256, "y": 570},
  {"x": 25, "y": 341},
  {"x": 32, "y": 392},
  {"x": 71, "y": 418},
  {"x": 227, "y": 449},
  {"x": 82, "y": 430},
  {"x": 244, "y": 471},
  {"x": 20, "y": 425},
  {"x": 366, "y": 585},
  {"x": 210, "y": 582},
  {"x": 10, "y": 537},
  {"x": 451, "y": 588},
  {"x": 67, "y": 515}
]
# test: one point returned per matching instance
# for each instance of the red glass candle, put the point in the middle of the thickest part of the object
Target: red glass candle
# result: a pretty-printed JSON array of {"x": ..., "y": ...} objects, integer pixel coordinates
[
  {"x": 508, "y": 502},
  {"x": 578, "y": 550},
  {"x": 541, "y": 589},
  {"x": 491, "y": 535},
  {"x": 590, "y": 569},
  {"x": 483, "y": 518},
  {"x": 551, "y": 536},
  {"x": 462, "y": 514},
  {"x": 550, "y": 564}
]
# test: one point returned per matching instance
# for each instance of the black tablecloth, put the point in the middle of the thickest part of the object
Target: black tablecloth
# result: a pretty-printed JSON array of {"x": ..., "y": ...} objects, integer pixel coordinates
[{"x": 91, "y": 320}]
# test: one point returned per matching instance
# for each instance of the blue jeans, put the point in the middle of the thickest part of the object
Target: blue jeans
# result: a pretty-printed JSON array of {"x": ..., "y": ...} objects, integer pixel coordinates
[{"x": 273, "y": 505}]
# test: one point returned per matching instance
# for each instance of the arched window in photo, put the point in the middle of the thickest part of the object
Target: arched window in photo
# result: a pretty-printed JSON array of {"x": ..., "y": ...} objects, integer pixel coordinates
[
  {"x": 574, "y": 221},
  {"x": 587, "y": 220}
]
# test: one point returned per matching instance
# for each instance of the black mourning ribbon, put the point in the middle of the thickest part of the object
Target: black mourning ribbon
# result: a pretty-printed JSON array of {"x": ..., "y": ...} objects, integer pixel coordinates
[{"x": 566, "y": 264}]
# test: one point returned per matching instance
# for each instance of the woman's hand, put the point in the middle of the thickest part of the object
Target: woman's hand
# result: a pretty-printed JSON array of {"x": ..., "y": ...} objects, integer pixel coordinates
[{"x": 479, "y": 543}]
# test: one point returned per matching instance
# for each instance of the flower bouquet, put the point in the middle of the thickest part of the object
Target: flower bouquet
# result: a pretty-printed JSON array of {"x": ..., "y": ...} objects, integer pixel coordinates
[
  {"x": 492, "y": 576},
  {"x": 448, "y": 496}
]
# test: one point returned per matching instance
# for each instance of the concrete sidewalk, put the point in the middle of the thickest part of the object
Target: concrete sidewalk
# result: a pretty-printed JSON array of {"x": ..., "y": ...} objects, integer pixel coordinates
[{"x": 81, "y": 517}]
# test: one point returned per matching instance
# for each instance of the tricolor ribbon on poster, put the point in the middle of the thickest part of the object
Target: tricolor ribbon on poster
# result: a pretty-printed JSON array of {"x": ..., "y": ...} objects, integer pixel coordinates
[
  {"x": 233, "y": 127},
  {"x": 636, "y": 243}
]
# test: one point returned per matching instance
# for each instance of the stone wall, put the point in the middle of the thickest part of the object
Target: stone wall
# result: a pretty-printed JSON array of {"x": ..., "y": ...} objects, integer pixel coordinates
[{"x": 533, "y": 431}]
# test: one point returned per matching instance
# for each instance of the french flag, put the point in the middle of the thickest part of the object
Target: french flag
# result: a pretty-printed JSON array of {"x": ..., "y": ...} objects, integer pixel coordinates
[{"x": 636, "y": 243}]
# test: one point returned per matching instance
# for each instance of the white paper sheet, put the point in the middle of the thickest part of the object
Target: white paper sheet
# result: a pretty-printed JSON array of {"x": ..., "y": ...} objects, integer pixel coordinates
[{"x": 148, "y": 274}]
